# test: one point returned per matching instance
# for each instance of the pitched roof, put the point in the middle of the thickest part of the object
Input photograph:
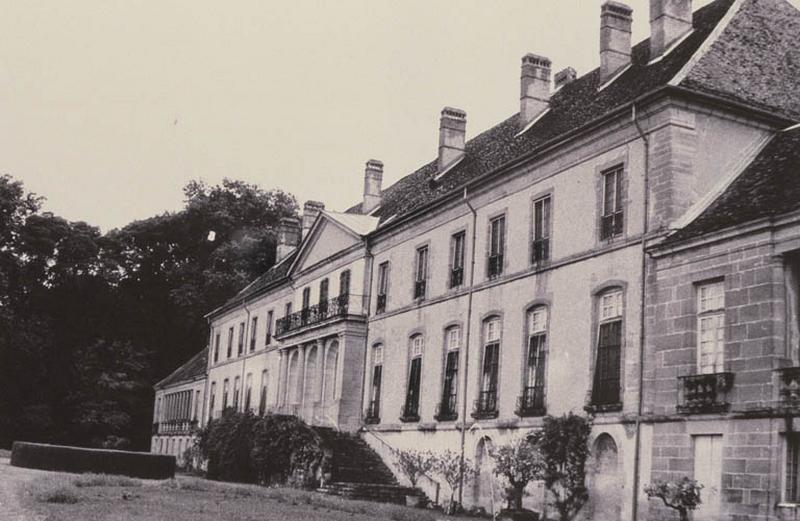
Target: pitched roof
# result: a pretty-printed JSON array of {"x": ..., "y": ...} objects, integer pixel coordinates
[
  {"x": 191, "y": 370},
  {"x": 580, "y": 103},
  {"x": 768, "y": 187},
  {"x": 358, "y": 223}
]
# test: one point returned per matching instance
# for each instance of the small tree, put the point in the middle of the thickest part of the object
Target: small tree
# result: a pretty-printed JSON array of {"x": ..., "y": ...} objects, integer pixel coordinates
[
  {"x": 564, "y": 445},
  {"x": 683, "y": 495},
  {"x": 414, "y": 464},
  {"x": 448, "y": 466},
  {"x": 518, "y": 462}
]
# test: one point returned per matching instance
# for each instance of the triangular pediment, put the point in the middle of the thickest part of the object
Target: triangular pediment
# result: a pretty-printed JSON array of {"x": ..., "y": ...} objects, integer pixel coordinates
[{"x": 325, "y": 239}]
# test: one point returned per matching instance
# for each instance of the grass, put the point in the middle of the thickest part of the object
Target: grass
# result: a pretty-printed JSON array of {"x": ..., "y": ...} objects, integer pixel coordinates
[{"x": 68, "y": 497}]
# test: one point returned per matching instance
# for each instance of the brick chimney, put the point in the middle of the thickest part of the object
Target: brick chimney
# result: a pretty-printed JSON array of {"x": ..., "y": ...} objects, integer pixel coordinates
[
  {"x": 615, "y": 38},
  {"x": 534, "y": 97},
  {"x": 310, "y": 212},
  {"x": 565, "y": 76},
  {"x": 669, "y": 21},
  {"x": 452, "y": 136},
  {"x": 288, "y": 237},
  {"x": 373, "y": 178}
]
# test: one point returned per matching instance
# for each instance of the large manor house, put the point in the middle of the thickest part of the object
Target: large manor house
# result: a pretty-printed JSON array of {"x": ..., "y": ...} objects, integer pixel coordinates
[{"x": 626, "y": 246}]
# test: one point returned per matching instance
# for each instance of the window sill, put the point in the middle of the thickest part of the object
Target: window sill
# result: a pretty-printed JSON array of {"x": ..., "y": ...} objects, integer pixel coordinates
[
  {"x": 603, "y": 407},
  {"x": 531, "y": 413},
  {"x": 410, "y": 419},
  {"x": 485, "y": 415},
  {"x": 372, "y": 420}
]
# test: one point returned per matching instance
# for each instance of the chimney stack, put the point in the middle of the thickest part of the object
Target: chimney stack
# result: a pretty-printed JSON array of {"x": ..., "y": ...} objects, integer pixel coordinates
[
  {"x": 452, "y": 136},
  {"x": 373, "y": 177},
  {"x": 288, "y": 237},
  {"x": 669, "y": 21},
  {"x": 565, "y": 76},
  {"x": 534, "y": 87},
  {"x": 310, "y": 212},
  {"x": 615, "y": 38}
]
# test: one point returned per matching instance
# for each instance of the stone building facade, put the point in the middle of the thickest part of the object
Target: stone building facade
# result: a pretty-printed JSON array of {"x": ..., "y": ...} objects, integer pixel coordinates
[{"x": 580, "y": 256}]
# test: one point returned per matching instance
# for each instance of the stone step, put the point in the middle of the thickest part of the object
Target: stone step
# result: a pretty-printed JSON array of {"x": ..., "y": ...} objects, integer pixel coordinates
[{"x": 369, "y": 491}]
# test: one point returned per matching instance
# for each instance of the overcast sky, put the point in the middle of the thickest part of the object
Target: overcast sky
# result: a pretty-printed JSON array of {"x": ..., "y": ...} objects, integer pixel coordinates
[{"x": 109, "y": 107}]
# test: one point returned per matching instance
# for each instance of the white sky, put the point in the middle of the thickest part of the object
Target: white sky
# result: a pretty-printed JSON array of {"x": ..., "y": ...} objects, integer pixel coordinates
[{"x": 109, "y": 107}]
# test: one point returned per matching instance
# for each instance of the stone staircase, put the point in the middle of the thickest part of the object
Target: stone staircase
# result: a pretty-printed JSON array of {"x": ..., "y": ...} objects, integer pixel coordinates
[{"x": 358, "y": 472}]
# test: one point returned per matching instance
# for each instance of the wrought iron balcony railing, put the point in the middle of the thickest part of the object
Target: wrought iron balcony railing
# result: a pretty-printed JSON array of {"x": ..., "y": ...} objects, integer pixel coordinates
[
  {"x": 485, "y": 406},
  {"x": 495, "y": 267},
  {"x": 456, "y": 277},
  {"x": 531, "y": 402},
  {"x": 447, "y": 410},
  {"x": 789, "y": 386},
  {"x": 705, "y": 393},
  {"x": 611, "y": 225},
  {"x": 335, "y": 307},
  {"x": 380, "y": 305},
  {"x": 419, "y": 289},
  {"x": 373, "y": 413},
  {"x": 540, "y": 251},
  {"x": 175, "y": 426},
  {"x": 409, "y": 412}
]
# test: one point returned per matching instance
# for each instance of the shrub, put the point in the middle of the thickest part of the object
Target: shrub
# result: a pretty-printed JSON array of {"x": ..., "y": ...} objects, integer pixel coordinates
[
  {"x": 564, "y": 445},
  {"x": 518, "y": 462},
  {"x": 448, "y": 466},
  {"x": 271, "y": 449},
  {"x": 682, "y": 496},
  {"x": 414, "y": 464},
  {"x": 80, "y": 460}
]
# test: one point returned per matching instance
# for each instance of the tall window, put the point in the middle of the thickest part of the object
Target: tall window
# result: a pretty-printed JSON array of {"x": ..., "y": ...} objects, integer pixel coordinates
[
  {"x": 216, "y": 347},
  {"x": 457, "y": 242},
  {"x": 421, "y": 272},
  {"x": 225, "y": 394},
  {"x": 236, "y": 386},
  {"x": 606, "y": 388},
  {"x": 323, "y": 296},
  {"x": 248, "y": 389},
  {"x": 448, "y": 406},
  {"x": 211, "y": 400},
  {"x": 532, "y": 401},
  {"x": 262, "y": 399},
  {"x": 611, "y": 222},
  {"x": 306, "y": 303},
  {"x": 230, "y": 341},
  {"x": 383, "y": 287},
  {"x": 711, "y": 327},
  {"x": 792, "y": 469},
  {"x": 196, "y": 412},
  {"x": 270, "y": 321},
  {"x": 411, "y": 408},
  {"x": 486, "y": 406},
  {"x": 374, "y": 411},
  {"x": 540, "y": 250},
  {"x": 344, "y": 284},
  {"x": 497, "y": 246},
  {"x": 241, "y": 338},
  {"x": 253, "y": 333}
]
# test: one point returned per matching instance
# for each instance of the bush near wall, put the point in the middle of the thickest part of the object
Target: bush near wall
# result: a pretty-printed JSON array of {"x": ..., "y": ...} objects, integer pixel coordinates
[{"x": 101, "y": 461}]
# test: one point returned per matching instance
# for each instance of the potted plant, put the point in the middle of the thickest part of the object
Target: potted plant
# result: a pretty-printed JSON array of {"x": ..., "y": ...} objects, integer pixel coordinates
[
  {"x": 682, "y": 496},
  {"x": 414, "y": 464},
  {"x": 517, "y": 463},
  {"x": 448, "y": 465}
]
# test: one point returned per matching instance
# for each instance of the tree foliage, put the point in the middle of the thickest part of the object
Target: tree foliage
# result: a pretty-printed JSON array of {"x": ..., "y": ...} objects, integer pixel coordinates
[
  {"x": 682, "y": 496},
  {"x": 448, "y": 465},
  {"x": 89, "y": 321},
  {"x": 414, "y": 464},
  {"x": 564, "y": 446},
  {"x": 518, "y": 462}
]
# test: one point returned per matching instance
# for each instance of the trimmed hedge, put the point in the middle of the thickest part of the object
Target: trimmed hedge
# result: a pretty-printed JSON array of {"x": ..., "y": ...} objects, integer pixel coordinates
[{"x": 101, "y": 461}]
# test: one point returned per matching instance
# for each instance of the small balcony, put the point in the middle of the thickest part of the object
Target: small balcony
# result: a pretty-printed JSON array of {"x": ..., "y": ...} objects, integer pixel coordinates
[
  {"x": 540, "y": 251},
  {"x": 611, "y": 225},
  {"x": 789, "y": 386},
  {"x": 447, "y": 410},
  {"x": 456, "y": 277},
  {"x": 419, "y": 289},
  {"x": 372, "y": 415},
  {"x": 410, "y": 412},
  {"x": 705, "y": 393},
  {"x": 184, "y": 426},
  {"x": 485, "y": 407},
  {"x": 340, "y": 307},
  {"x": 380, "y": 304},
  {"x": 531, "y": 402},
  {"x": 495, "y": 265}
]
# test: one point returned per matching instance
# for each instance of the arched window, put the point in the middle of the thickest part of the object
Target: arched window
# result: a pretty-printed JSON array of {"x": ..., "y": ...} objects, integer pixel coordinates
[
  {"x": 236, "y": 387},
  {"x": 293, "y": 380},
  {"x": 411, "y": 407},
  {"x": 373, "y": 413},
  {"x": 262, "y": 400},
  {"x": 486, "y": 405},
  {"x": 534, "y": 385},
  {"x": 225, "y": 394},
  {"x": 448, "y": 406},
  {"x": 248, "y": 389},
  {"x": 607, "y": 370},
  {"x": 211, "y": 411},
  {"x": 311, "y": 388},
  {"x": 330, "y": 372}
]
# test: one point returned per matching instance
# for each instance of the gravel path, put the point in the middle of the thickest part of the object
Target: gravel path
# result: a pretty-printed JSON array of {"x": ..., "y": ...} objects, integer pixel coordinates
[{"x": 11, "y": 478}]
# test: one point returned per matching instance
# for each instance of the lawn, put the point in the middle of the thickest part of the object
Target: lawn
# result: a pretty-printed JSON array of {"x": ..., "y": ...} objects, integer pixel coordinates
[{"x": 71, "y": 497}]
